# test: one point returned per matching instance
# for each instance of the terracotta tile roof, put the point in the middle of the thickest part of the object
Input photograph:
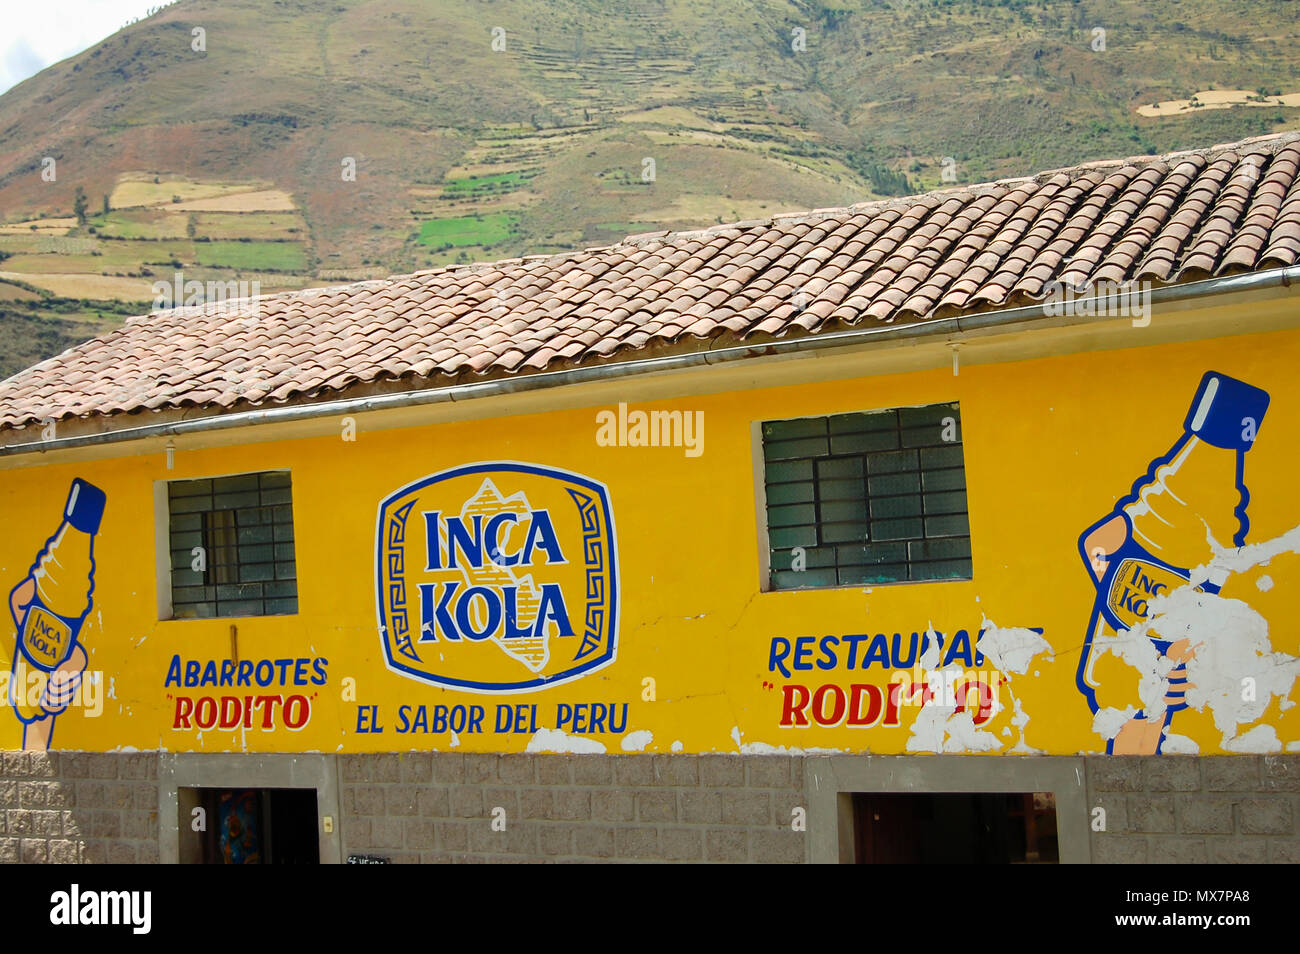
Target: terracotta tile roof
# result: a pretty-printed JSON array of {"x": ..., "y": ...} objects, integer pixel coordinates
[{"x": 1164, "y": 219}]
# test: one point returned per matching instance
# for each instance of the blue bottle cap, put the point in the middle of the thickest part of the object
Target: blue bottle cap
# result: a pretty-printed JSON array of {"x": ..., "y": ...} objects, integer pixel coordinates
[
  {"x": 1226, "y": 412},
  {"x": 85, "y": 506}
]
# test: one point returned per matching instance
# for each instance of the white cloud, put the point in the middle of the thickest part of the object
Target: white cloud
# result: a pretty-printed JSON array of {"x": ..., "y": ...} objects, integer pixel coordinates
[{"x": 38, "y": 34}]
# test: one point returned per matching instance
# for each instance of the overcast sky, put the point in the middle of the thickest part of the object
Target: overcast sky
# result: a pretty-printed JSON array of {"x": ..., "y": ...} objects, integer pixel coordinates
[{"x": 37, "y": 33}]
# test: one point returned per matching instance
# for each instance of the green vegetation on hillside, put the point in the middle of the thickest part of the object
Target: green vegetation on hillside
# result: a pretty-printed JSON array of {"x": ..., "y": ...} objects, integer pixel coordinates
[{"x": 596, "y": 119}]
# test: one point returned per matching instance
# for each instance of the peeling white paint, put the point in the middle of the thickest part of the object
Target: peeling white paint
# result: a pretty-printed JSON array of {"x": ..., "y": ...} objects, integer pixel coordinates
[
  {"x": 637, "y": 741},
  {"x": 1020, "y": 720},
  {"x": 938, "y": 728},
  {"x": 677, "y": 745},
  {"x": 1233, "y": 668},
  {"x": 1179, "y": 745},
  {"x": 557, "y": 740},
  {"x": 1261, "y": 740},
  {"x": 1011, "y": 650},
  {"x": 455, "y": 740},
  {"x": 1232, "y": 646},
  {"x": 762, "y": 748},
  {"x": 1108, "y": 721}
]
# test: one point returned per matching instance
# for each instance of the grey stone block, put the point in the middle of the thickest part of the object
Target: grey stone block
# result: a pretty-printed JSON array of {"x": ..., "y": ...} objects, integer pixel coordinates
[
  {"x": 417, "y": 768},
  {"x": 1205, "y": 814},
  {"x": 480, "y": 767},
  {"x": 536, "y": 803},
  {"x": 553, "y": 770},
  {"x": 592, "y": 769},
  {"x": 452, "y": 836},
  {"x": 701, "y": 808},
  {"x": 102, "y": 765},
  {"x": 746, "y": 808},
  {"x": 1282, "y": 773},
  {"x": 571, "y": 804},
  {"x": 1265, "y": 816},
  {"x": 35, "y": 851},
  {"x": 142, "y": 826},
  {"x": 402, "y": 800},
  {"x": 106, "y": 825},
  {"x": 681, "y": 771},
  {"x": 613, "y": 805},
  {"x": 434, "y": 803},
  {"x": 1151, "y": 813},
  {"x": 137, "y": 765},
  {"x": 1171, "y": 773},
  {"x": 777, "y": 846},
  {"x": 356, "y": 768},
  {"x": 636, "y": 843},
  {"x": 635, "y": 770},
  {"x": 722, "y": 771},
  {"x": 466, "y": 801},
  {"x": 63, "y": 852},
  {"x": 448, "y": 768},
  {"x": 368, "y": 800},
  {"x": 555, "y": 841},
  {"x": 726, "y": 844},
  {"x": 1231, "y": 773},
  {"x": 1235, "y": 851},
  {"x": 506, "y": 798},
  {"x": 1119, "y": 849},
  {"x": 773, "y": 771},
  {"x": 1114, "y": 773},
  {"x": 386, "y": 832},
  {"x": 121, "y": 853},
  {"x": 594, "y": 841},
  {"x": 1283, "y": 851},
  {"x": 516, "y": 770},
  {"x": 1184, "y": 851},
  {"x": 656, "y": 806},
  {"x": 682, "y": 844},
  {"x": 418, "y": 834}
]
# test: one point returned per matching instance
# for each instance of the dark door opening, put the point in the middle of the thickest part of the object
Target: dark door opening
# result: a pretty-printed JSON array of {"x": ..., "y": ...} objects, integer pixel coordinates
[
  {"x": 250, "y": 826},
  {"x": 955, "y": 828}
]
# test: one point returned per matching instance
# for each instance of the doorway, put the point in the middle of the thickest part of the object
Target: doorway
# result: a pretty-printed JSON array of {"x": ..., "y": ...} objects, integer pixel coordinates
[
  {"x": 955, "y": 828},
  {"x": 269, "y": 826}
]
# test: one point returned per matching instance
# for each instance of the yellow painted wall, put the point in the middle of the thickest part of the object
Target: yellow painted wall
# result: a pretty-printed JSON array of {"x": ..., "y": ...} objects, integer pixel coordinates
[{"x": 1050, "y": 445}]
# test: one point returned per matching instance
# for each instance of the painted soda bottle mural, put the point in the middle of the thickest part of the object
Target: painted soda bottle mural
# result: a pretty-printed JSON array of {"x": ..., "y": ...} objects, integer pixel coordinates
[
  {"x": 1189, "y": 500},
  {"x": 49, "y": 608}
]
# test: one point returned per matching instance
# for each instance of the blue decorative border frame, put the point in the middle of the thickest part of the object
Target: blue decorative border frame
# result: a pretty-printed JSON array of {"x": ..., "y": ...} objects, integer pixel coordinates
[{"x": 599, "y": 492}]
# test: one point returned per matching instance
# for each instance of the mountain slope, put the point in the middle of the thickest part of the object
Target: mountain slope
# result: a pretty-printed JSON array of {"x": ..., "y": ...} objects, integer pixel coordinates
[{"x": 595, "y": 120}]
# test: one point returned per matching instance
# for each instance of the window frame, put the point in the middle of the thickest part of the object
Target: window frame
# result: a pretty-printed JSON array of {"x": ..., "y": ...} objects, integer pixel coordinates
[
  {"x": 163, "y": 549},
  {"x": 761, "y": 507}
]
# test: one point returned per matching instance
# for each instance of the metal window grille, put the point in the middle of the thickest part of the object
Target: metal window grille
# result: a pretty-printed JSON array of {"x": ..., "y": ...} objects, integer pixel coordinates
[
  {"x": 232, "y": 547},
  {"x": 875, "y": 497}
]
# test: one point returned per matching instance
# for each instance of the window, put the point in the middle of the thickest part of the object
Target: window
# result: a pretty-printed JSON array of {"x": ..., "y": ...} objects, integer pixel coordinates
[
  {"x": 231, "y": 543},
  {"x": 875, "y": 497}
]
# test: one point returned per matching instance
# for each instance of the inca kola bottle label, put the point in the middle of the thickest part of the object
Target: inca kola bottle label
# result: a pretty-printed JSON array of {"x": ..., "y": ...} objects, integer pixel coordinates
[{"x": 497, "y": 577}]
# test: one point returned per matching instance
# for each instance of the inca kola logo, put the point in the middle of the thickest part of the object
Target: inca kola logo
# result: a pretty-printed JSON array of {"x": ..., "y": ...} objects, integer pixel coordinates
[{"x": 497, "y": 577}]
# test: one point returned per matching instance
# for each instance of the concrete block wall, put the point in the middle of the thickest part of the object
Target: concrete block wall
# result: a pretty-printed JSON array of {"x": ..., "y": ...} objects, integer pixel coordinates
[
  {"x": 70, "y": 807},
  {"x": 440, "y": 807},
  {"x": 78, "y": 807},
  {"x": 1190, "y": 810}
]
